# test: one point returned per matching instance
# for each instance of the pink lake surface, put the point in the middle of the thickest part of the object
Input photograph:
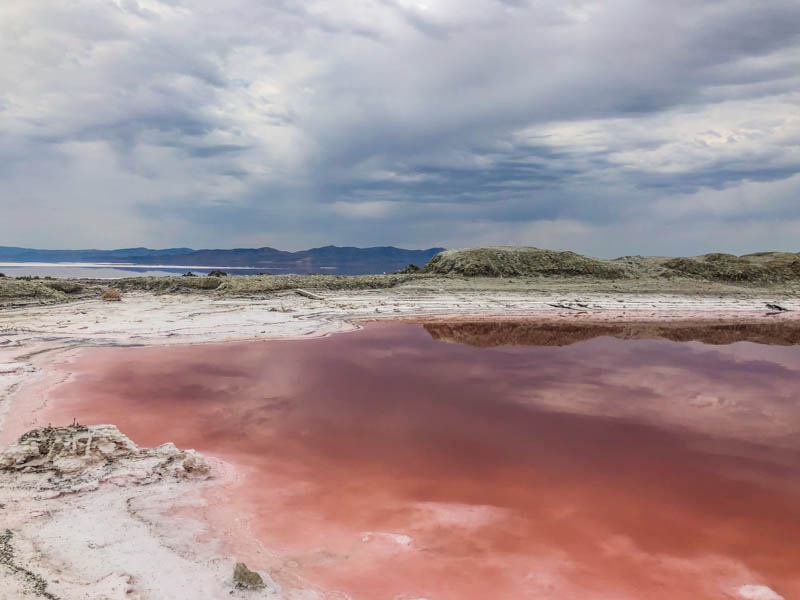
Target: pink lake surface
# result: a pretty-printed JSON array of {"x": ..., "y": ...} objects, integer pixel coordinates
[{"x": 386, "y": 465}]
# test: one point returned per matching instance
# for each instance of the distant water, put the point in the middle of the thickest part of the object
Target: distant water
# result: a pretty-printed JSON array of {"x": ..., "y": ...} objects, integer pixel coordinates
[{"x": 109, "y": 271}]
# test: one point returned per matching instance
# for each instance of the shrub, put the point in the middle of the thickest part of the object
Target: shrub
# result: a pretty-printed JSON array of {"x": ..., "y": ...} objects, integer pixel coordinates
[
  {"x": 217, "y": 274},
  {"x": 64, "y": 285},
  {"x": 111, "y": 295}
]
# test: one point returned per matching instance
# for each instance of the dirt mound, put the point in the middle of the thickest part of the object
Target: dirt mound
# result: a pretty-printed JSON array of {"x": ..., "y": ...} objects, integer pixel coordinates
[
  {"x": 762, "y": 267},
  {"x": 508, "y": 261}
]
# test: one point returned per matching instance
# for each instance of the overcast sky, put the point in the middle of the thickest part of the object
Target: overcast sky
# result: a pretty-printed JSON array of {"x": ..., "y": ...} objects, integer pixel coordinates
[{"x": 609, "y": 127}]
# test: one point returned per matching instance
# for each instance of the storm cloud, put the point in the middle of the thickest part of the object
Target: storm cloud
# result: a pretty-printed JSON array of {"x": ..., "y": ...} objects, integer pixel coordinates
[{"x": 605, "y": 126}]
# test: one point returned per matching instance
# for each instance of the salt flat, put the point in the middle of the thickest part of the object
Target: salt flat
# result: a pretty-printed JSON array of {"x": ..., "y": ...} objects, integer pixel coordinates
[{"x": 33, "y": 337}]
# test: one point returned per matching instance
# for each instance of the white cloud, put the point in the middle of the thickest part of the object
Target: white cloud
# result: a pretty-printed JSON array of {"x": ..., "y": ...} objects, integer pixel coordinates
[{"x": 207, "y": 123}]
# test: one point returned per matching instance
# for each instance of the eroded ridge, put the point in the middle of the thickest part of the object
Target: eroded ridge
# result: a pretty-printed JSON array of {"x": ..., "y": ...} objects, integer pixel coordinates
[{"x": 79, "y": 457}]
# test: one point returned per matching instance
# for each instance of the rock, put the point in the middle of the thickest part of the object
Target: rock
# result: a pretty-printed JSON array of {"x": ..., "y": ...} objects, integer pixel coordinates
[
  {"x": 78, "y": 458},
  {"x": 246, "y": 579}
]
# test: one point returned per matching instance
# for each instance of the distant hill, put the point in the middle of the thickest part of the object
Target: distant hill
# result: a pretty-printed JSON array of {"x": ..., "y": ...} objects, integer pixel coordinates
[
  {"x": 518, "y": 261},
  {"x": 328, "y": 259},
  {"x": 14, "y": 254}
]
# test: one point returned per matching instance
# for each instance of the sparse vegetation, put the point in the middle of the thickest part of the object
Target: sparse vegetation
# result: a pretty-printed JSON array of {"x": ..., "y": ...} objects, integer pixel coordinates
[
  {"x": 67, "y": 286},
  {"x": 245, "y": 285},
  {"x": 15, "y": 291},
  {"x": 507, "y": 261},
  {"x": 167, "y": 285},
  {"x": 217, "y": 273},
  {"x": 763, "y": 267}
]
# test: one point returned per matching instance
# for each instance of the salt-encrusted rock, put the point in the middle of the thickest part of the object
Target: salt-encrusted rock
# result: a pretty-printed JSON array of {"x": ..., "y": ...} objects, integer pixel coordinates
[{"x": 79, "y": 457}]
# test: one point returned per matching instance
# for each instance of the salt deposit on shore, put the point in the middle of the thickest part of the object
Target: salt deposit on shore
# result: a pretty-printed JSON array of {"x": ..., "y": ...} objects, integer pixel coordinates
[{"x": 116, "y": 537}]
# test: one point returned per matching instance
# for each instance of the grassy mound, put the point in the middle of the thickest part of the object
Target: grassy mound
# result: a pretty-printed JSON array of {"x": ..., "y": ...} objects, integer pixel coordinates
[
  {"x": 243, "y": 285},
  {"x": 763, "y": 267},
  {"x": 507, "y": 261},
  {"x": 15, "y": 290},
  {"x": 166, "y": 285}
]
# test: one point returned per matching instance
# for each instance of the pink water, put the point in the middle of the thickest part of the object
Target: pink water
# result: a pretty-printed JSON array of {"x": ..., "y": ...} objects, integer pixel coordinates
[{"x": 387, "y": 465}]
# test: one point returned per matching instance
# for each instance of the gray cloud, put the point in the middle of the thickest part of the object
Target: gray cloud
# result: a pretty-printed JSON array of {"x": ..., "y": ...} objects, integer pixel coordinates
[{"x": 601, "y": 125}]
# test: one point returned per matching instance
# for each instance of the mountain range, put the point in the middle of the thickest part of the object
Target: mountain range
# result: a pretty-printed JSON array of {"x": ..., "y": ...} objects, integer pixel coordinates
[{"x": 328, "y": 259}]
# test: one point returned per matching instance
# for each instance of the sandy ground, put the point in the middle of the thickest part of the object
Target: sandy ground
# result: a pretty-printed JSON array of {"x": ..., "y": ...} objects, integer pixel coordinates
[{"x": 126, "y": 540}]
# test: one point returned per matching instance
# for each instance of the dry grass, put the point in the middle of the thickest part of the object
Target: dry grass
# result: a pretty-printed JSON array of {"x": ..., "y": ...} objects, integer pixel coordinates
[
  {"x": 246, "y": 285},
  {"x": 169, "y": 285},
  {"x": 507, "y": 261},
  {"x": 762, "y": 268},
  {"x": 111, "y": 295},
  {"x": 14, "y": 291},
  {"x": 67, "y": 286}
]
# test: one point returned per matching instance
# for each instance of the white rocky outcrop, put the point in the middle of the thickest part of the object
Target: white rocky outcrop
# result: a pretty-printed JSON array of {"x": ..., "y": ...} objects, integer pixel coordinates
[{"x": 79, "y": 458}]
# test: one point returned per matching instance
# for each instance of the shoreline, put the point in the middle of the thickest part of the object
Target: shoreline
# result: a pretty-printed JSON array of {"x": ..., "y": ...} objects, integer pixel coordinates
[{"x": 33, "y": 363}]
